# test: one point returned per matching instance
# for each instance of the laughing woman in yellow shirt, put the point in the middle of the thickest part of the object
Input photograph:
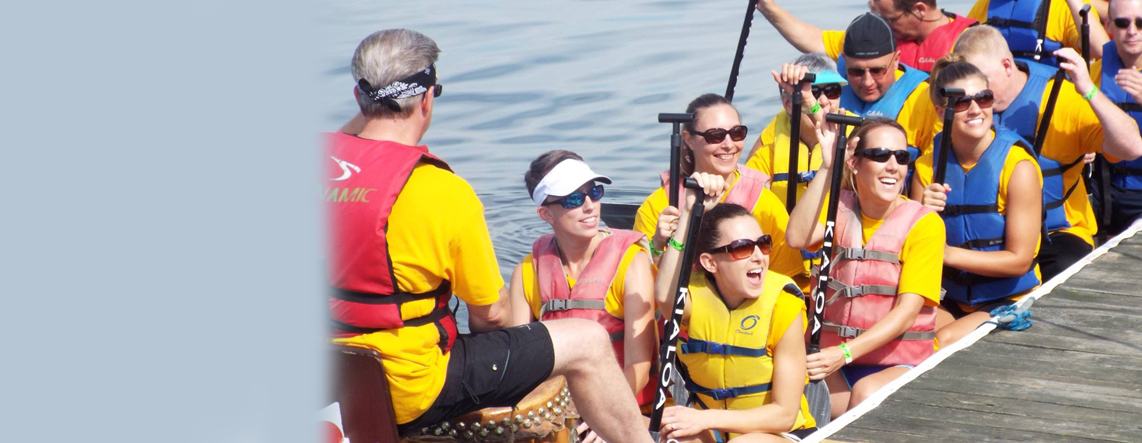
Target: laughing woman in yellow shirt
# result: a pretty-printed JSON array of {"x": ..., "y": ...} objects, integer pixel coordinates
[
  {"x": 712, "y": 144},
  {"x": 991, "y": 202}
]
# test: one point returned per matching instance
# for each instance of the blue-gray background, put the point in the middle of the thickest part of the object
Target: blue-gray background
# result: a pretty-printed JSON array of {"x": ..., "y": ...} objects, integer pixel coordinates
[{"x": 161, "y": 235}]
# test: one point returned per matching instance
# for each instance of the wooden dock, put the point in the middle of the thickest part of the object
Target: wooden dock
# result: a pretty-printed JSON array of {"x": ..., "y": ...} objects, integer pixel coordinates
[{"x": 1075, "y": 376}]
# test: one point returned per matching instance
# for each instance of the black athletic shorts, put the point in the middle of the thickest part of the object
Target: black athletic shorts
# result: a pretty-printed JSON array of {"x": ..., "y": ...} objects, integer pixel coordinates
[
  {"x": 1062, "y": 251},
  {"x": 490, "y": 369}
]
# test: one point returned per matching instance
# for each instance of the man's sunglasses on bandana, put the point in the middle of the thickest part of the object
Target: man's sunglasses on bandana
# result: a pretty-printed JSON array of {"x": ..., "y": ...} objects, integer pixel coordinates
[
  {"x": 716, "y": 135},
  {"x": 881, "y": 155},
  {"x": 416, "y": 84},
  {"x": 576, "y": 199},
  {"x": 984, "y": 99},
  {"x": 743, "y": 248}
]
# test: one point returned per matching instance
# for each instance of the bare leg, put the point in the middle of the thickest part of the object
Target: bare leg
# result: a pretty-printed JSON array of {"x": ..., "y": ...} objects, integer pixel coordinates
[
  {"x": 870, "y": 384},
  {"x": 758, "y": 438},
  {"x": 584, "y": 356},
  {"x": 839, "y": 393},
  {"x": 943, "y": 318},
  {"x": 956, "y": 330}
]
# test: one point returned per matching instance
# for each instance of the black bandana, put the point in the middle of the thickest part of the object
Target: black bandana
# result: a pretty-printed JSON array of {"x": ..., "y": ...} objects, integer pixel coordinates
[{"x": 411, "y": 86}]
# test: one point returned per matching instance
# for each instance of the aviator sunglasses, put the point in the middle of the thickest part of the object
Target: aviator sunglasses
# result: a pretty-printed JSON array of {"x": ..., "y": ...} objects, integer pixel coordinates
[
  {"x": 1124, "y": 22},
  {"x": 880, "y": 155},
  {"x": 716, "y": 135},
  {"x": 576, "y": 199},
  {"x": 984, "y": 99},
  {"x": 877, "y": 72},
  {"x": 743, "y": 248}
]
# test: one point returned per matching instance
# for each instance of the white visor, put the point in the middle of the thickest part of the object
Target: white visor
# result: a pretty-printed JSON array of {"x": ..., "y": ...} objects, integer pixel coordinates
[{"x": 565, "y": 178}]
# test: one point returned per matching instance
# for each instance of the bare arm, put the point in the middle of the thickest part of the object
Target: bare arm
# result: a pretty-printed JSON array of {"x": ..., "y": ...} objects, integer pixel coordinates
[
  {"x": 896, "y": 322},
  {"x": 803, "y": 36},
  {"x": 1024, "y": 219},
  {"x": 1098, "y": 36},
  {"x": 521, "y": 309},
  {"x": 639, "y": 337},
  {"x": 1120, "y": 132},
  {"x": 491, "y": 317}
]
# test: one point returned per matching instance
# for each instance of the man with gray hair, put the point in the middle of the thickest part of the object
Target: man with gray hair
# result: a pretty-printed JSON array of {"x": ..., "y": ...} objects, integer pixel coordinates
[{"x": 407, "y": 234}]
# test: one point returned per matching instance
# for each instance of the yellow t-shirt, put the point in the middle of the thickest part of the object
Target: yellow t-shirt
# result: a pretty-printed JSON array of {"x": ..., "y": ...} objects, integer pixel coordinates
[
  {"x": 834, "y": 42},
  {"x": 774, "y": 141},
  {"x": 770, "y": 215},
  {"x": 426, "y": 246},
  {"x": 615, "y": 295},
  {"x": 1014, "y": 156},
  {"x": 1060, "y": 22},
  {"x": 1075, "y": 130},
  {"x": 921, "y": 255}
]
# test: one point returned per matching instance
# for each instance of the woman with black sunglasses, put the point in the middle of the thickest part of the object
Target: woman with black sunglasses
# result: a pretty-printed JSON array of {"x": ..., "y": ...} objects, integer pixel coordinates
[
  {"x": 884, "y": 283},
  {"x": 991, "y": 203},
  {"x": 712, "y": 144},
  {"x": 744, "y": 355},
  {"x": 584, "y": 271}
]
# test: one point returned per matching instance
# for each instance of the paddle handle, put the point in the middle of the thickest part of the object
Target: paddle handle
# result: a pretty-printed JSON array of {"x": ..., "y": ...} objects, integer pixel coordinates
[
  {"x": 667, "y": 352},
  {"x": 794, "y": 176},
  {"x": 677, "y": 120},
  {"x": 1085, "y": 34},
  {"x": 818, "y": 299},
  {"x": 946, "y": 135},
  {"x": 740, "y": 51}
]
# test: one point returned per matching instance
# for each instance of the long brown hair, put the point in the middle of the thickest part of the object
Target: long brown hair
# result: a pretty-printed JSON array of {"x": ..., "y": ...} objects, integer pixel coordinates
[{"x": 696, "y": 107}]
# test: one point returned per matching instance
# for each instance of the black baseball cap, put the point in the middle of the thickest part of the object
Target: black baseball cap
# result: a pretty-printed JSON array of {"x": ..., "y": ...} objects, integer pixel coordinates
[{"x": 869, "y": 36}]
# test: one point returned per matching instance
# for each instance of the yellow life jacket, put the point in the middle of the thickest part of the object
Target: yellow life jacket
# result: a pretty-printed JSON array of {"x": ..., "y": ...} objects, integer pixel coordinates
[
  {"x": 808, "y": 162},
  {"x": 725, "y": 353}
]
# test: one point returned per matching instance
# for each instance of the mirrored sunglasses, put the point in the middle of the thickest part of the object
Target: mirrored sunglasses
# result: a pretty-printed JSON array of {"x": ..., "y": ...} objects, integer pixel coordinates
[
  {"x": 576, "y": 199},
  {"x": 743, "y": 248},
  {"x": 881, "y": 155},
  {"x": 716, "y": 135}
]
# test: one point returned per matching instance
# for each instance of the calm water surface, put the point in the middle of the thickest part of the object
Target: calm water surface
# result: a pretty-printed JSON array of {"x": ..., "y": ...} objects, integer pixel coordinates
[{"x": 523, "y": 77}]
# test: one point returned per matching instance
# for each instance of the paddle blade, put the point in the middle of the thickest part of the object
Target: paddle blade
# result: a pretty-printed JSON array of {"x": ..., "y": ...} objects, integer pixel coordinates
[{"x": 817, "y": 394}]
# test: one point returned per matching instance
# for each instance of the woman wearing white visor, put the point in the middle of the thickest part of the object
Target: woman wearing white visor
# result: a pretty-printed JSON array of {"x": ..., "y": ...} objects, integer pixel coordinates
[{"x": 584, "y": 271}]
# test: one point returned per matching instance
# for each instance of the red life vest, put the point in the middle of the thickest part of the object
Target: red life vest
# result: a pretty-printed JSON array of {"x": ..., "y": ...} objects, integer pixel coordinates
[
  {"x": 863, "y": 283},
  {"x": 587, "y": 299},
  {"x": 367, "y": 176},
  {"x": 744, "y": 193},
  {"x": 939, "y": 43}
]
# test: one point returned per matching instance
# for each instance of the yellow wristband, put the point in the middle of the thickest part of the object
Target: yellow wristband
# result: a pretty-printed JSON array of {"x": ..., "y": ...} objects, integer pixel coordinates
[
  {"x": 848, "y": 353},
  {"x": 1090, "y": 95}
]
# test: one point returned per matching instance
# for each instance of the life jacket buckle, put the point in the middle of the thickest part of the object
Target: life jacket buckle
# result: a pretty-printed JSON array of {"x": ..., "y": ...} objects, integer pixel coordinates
[
  {"x": 715, "y": 348},
  {"x": 847, "y": 331},
  {"x": 557, "y": 304},
  {"x": 721, "y": 394}
]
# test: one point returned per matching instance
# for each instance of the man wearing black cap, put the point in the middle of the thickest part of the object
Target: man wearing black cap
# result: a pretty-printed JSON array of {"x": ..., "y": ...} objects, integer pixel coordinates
[
  {"x": 924, "y": 33},
  {"x": 407, "y": 234},
  {"x": 880, "y": 86}
]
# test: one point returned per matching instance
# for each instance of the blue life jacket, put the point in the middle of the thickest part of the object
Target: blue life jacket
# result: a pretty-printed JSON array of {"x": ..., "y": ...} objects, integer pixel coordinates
[
  {"x": 1027, "y": 39},
  {"x": 888, "y": 106},
  {"x": 1125, "y": 174},
  {"x": 1022, "y": 116},
  {"x": 973, "y": 221}
]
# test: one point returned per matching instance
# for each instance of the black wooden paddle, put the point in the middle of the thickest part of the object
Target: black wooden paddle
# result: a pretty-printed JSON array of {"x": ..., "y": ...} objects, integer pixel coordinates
[
  {"x": 741, "y": 50},
  {"x": 946, "y": 135},
  {"x": 667, "y": 355},
  {"x": 796, "y": 100}
]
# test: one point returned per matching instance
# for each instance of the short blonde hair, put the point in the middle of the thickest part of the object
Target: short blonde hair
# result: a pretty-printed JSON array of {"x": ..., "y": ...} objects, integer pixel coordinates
[{"x": 982, "y": 40}]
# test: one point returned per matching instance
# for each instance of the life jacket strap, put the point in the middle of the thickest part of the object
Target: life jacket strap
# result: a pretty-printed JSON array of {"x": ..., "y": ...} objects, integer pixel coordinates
[
  {"x": 954, "y": 210},
  {"x": 1051, "y": 172},
  {"x": 564, "y": 304},
  {"x": 722, "y": 394},
  {"x": 1055, "y": 204},
  {"x": 981, "y": 243},
  {"x": 1118, "y": 169},
  {"x": 853, "y": 332},
  {"x": 438, "y": 314},
  {"x": 397, "y": 298},
  {"x": 1129, "y": 106},
  {"x": 808, "y": 255},
  {"x": 843, "y": 290},
  {"x": 866, "y": 254},
  {"x": 1000, "y": 22},
  {"x": 694, "y": 346}
]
